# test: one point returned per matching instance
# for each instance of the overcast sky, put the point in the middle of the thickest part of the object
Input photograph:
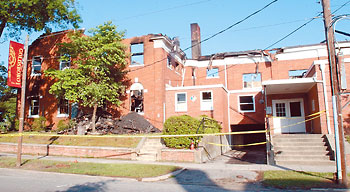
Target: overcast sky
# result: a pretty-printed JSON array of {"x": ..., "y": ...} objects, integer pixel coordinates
[{"x": 173, "y": 18}]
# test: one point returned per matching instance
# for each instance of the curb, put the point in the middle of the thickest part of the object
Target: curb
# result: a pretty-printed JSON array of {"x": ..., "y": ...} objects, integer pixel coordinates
[{"x": 163, "y": 177}]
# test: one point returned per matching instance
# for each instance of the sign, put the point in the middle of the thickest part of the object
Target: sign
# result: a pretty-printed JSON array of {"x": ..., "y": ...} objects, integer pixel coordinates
[{"x": 15, "y": 64}]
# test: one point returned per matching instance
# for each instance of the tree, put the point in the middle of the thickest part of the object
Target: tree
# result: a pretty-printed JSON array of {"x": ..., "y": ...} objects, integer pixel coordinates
[
  {"x": 98, "y": 68},
  {"x": 36, "y": 15},
  {"x": 7, "y": 100}
]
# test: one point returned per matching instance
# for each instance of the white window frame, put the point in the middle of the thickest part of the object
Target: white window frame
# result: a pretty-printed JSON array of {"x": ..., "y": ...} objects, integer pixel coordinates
[
  {"x": 239, "y": 103},
  {"x": 207, "y": 105},
  {"x": 216, "y": 74},
  {"x": 178, "y": 108},
  {"x": 30, "y": 115},
  {"x": 59, "y": 114},
  {"x": 137, "y": 54},
  {"x": 41, "y": 62},
  {"x": 67, "y": 62},
  {"x": 252, "y": 87},
  {"x": 168, "y": 62}
]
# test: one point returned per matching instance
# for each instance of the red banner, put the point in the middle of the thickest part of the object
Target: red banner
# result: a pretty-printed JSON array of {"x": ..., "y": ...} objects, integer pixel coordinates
[{"x": 15, "y": 64}]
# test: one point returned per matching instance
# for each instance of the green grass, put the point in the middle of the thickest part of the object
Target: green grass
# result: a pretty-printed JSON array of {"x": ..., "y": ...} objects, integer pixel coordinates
[
  {"x": 112, "y": 170},
  {"x": 299, "y": 180},
  {"x": 74, "y": 141}
]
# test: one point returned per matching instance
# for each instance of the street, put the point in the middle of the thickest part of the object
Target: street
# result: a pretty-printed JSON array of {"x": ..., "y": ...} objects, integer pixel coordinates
[{"x": 23, "y": 180}]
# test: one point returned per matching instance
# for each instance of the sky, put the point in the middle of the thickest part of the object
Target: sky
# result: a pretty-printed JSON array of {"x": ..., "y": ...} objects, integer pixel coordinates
[{"x": 173, "y": 18}]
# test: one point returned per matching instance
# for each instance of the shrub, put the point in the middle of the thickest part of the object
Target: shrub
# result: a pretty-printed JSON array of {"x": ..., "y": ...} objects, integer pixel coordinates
[
  {"x": 179, "y": 125},
  {"x": 39, "y": 124},
  {"x": 63, "y": 125},
  {"x": 210, "y": 125}
]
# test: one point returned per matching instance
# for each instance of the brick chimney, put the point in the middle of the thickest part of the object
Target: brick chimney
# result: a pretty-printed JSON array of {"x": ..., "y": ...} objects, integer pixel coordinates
[{"x": 195, "y": 41}]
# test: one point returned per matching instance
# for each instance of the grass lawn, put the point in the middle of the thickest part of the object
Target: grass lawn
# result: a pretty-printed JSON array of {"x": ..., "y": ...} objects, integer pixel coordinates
[
  {"x": 74, "y": 141},
  {"x": 99, "y": 169},
  {"x": 299, "y": 180}
]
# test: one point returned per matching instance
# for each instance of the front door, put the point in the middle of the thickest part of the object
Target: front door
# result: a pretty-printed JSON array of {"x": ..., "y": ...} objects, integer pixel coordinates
[{"x": 288, "y": 116}]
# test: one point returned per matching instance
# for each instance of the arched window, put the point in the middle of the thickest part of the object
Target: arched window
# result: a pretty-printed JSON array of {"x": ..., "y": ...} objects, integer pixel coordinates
[{"x": 136, "y": 97}]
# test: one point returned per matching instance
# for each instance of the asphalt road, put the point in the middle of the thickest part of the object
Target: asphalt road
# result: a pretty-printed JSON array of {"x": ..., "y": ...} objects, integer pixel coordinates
[{"x": 14, "y": 180}]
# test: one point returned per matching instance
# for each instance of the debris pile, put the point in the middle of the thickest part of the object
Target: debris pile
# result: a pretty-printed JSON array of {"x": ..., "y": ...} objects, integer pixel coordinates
[{"x": 132, "y": 123}]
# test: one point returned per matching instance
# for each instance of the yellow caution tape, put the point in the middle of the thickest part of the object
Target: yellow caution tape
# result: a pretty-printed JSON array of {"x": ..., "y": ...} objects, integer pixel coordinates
[
  {"x": 132, "y": 136},
  {"x": 299, "y": 122},
  {"x": 245, "y": 145},
  {"x": 311, "y": 115}
]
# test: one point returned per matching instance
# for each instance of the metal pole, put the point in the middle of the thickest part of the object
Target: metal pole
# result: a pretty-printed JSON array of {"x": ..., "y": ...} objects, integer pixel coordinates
[
  {"x": 23, "y": 93},
  {"x": 335, "y": 87}
]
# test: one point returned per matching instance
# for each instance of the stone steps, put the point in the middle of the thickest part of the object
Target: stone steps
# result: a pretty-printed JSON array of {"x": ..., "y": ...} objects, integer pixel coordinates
[
  {"x": 301, "y": 149},
  {"x": 150, "y": 150}
]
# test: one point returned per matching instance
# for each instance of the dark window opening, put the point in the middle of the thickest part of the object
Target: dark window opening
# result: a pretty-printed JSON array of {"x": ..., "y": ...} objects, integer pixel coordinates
[
  {"x": 295, "y": 109},
  {"x": 137, "y": 101}
]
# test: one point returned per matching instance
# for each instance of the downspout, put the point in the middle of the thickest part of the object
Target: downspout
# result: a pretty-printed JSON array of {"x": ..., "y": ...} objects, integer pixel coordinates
[
  {"x": 183, "y": 76},
  {"x": 322, "y": 68},
  {"x": 228, "y": 106}
]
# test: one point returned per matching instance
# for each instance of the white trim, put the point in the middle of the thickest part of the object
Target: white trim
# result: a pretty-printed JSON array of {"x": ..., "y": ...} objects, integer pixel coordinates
[
  {"x": 176, "y": 104},
  {"x": 196, "y": 87},
  {"x": 247, "y": 90},
  {"x": 289, "y": 81},
  {"x": 239, "y": 103},
  {"x": 202, "y": 104},
  {"x": 233, "y": 60},
  {"x": 41, "y": 64},
  {"x": 160, "y": 43}
]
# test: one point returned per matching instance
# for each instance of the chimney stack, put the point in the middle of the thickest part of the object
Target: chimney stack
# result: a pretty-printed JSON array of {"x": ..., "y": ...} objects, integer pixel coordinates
[{"x": 195, "y": 41}]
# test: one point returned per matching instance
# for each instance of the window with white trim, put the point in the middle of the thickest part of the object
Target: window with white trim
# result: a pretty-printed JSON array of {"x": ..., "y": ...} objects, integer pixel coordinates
[
  {"x": 213, "y": 73},
  {"x": 206, "y": 100},
  {"x": 63, "y": 108},
  {"x": 251, "y": 80},
  {"x": 65, "y": 63},
  {"x": 168, "y": 62},
  {"x": 136, "y": 54},
  {"x": 180, "y": 102},
  {"x": 36, "y": 65},
  {"x": 295, "y": 74},
  {"x": 34, "y": 106},
  {"x": 246, "y": 103}
]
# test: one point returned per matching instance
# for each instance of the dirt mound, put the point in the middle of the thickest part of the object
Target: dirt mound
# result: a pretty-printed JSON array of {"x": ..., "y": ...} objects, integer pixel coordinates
[{"x": 134, "y": 123}]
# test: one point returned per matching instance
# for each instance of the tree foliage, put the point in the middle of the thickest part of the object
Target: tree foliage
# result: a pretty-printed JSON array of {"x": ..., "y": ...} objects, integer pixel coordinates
[
  {"x": 36, "y": 15},
  {"x": 7, "y": 100},
  {"x": 98, "y": 68}
]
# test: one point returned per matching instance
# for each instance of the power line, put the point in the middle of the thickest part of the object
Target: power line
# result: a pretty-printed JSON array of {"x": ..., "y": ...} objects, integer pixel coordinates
[
  {"x": 229, "y": 27},
  {"x": 162, "y": 10},
  {"x": 303, "y": 25}
]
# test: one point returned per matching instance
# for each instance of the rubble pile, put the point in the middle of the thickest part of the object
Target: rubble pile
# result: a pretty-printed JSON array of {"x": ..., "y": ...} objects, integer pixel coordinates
[{"x": 131, "y": 123}]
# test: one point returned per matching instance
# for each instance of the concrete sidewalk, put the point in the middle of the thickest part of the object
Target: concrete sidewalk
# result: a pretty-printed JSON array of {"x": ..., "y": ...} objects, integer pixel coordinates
[{"x": 218, "y": 165}]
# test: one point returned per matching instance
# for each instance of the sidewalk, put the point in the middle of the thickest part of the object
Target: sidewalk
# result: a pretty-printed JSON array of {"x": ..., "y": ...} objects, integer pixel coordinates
[{"x": 212, "y": 165}]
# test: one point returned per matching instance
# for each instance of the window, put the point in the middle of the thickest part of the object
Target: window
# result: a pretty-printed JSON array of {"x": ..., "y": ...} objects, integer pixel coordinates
[
  {"x": 213, "y": 73},
  {"x": 65, "y": 63},
  {"x": 137, "y": 54},
  {"x": 168, "y": 62},
  {"x": 34, "y": 107},
  {"x": 36, "y": 65},
  {"x": 137, "y": 100},
  {"x": 246, "y": 103},
  {"x": 181, "y": 102},
  {"x": 63, "y": 108},
  {"x": 206, "y": 100},
  {"x": 281, "y": 110},
  {"x": 251, "y": 80},
  {"x": 294, "y": 74}
]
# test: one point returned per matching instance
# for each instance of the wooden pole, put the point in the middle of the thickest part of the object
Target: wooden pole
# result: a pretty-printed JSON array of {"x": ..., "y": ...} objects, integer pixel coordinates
[
  {"x": 23, "y": 95},
  {"x": 335, "y": 85}
]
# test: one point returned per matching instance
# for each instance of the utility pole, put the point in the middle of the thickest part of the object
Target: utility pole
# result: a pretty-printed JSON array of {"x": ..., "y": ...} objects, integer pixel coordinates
[
  {"x": 341, "y": 178},
  {"x": 23, "y": 99}
]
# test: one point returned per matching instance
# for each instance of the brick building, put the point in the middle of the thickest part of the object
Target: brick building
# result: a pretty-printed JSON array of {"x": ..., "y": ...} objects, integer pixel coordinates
[{"x": 246, "y": 90}]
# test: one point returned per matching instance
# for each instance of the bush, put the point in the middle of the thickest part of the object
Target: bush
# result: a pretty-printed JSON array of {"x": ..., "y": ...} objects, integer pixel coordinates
[
  {"x": 39, "y": 124},
  {"x": 63, "y": 125},
  {"x": 179, "y": 125},
  {"x": 210, "y": 125}
]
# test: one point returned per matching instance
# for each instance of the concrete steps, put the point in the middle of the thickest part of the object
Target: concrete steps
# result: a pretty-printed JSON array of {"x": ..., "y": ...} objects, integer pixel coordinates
[
  {"x": 301, "y": 149},
  {"x": 150, "y": 150}
]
